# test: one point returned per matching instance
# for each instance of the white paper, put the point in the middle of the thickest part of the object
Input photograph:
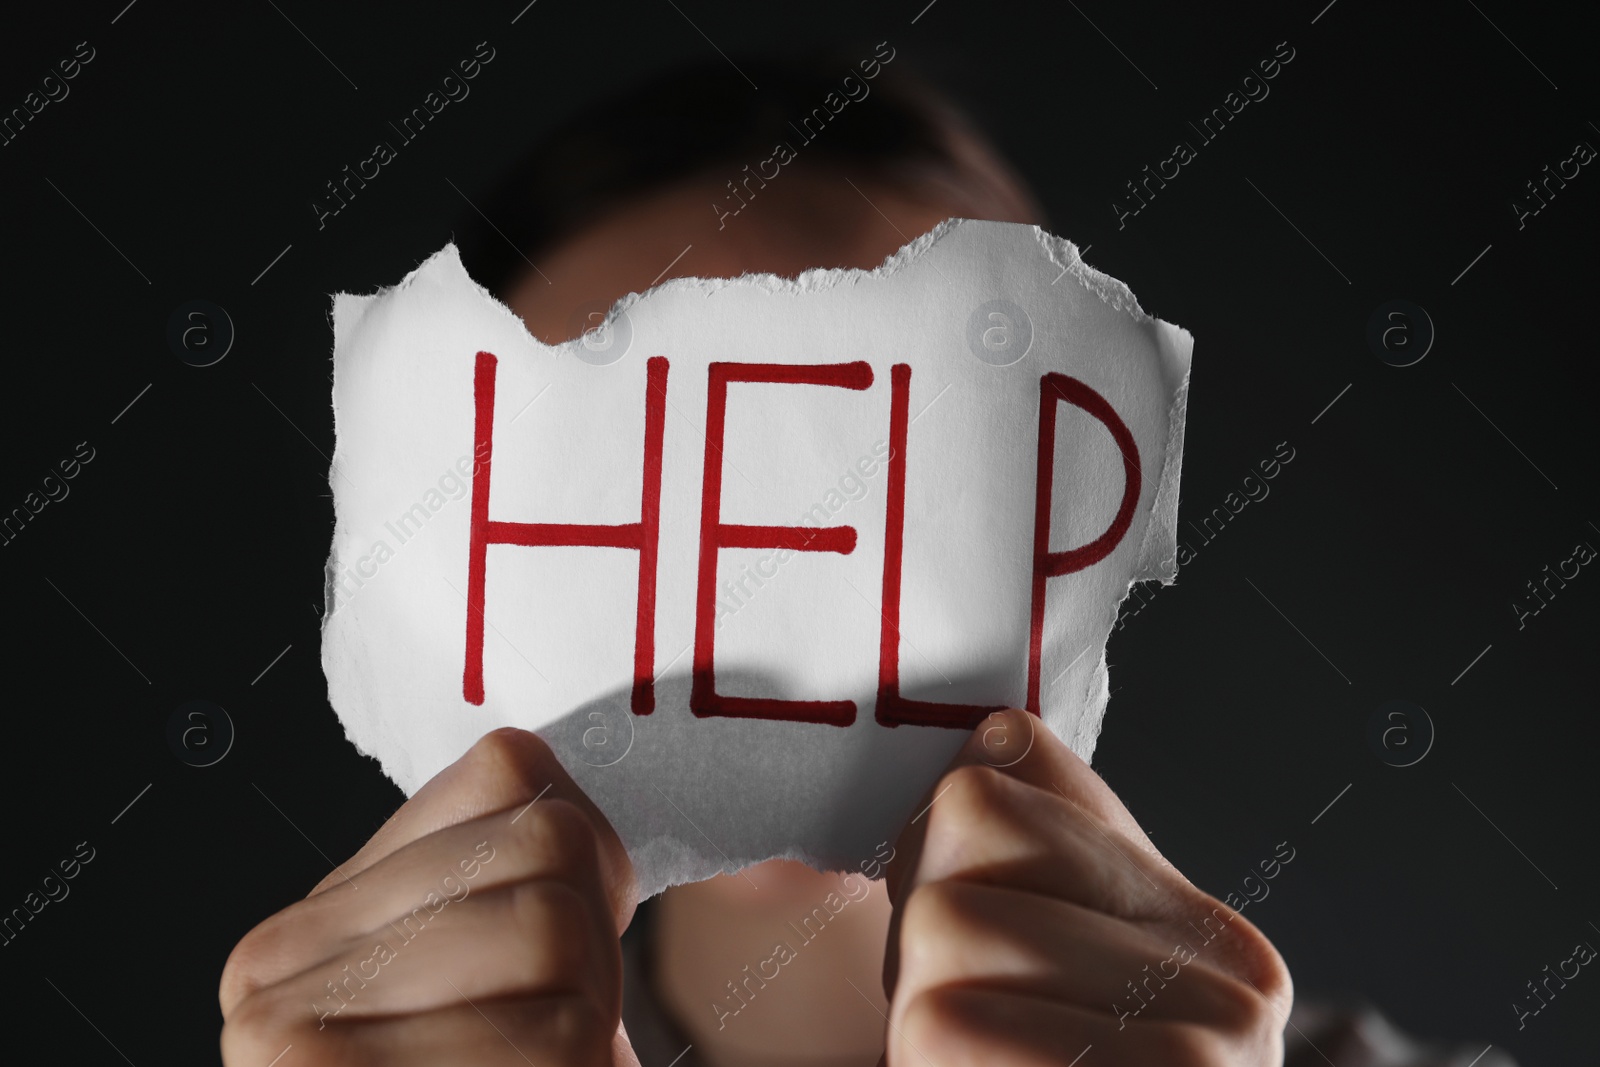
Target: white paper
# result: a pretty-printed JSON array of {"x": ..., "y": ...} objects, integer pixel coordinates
[{"x": 981, "y": 312}]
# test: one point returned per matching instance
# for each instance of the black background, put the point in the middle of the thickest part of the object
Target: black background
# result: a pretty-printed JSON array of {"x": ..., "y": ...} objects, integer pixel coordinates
[{"x": 1395, "y": 541}]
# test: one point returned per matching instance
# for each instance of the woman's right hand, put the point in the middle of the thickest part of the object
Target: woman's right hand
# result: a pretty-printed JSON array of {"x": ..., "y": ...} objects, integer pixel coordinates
[{"x": 479, "y": 924}]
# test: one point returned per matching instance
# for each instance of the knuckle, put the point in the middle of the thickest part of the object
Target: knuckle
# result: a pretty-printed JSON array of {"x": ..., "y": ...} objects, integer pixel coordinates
[
  {"x": 939, "y": 925},
  {"x": 1235, "y": 1008},
  {"x": 931, "y": 1020},
  {"x": 1255, "y": 963},
  {"x": 971, "y": 794},
  {"x": 1255, "y": 1009},
  {"x": 1261, "y": 1021},
  {"x": 972, "y": 818},
  {"x": 242, "y": 974},
  {"x": 931, "y": 911},
  {"x": 257, "y": 1023},
  {"x": 236, "y": 983},
  {"x": 557, "y": 924},
  {"x": 559, "y": 835},
  {"x": 958, "y": 1021},
  {"x": 1265, "y": 967},
  {"x": 509, "y": 756},
  {"x": 1249, "y": 988},
  {"x": 581, "y": 1029},
  {"x": 1187, "y": 1045}
]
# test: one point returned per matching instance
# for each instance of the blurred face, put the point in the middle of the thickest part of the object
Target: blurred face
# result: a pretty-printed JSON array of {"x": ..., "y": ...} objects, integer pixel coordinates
[{"x": 798, "y": 222}]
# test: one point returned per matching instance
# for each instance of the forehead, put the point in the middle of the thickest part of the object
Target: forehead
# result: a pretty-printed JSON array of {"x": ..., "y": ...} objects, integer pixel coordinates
[{"x": 798, "y": 221}]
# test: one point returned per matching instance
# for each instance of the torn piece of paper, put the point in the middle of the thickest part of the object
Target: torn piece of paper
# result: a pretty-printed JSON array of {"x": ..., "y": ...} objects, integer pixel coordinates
[{"x": 753, "y": 555}]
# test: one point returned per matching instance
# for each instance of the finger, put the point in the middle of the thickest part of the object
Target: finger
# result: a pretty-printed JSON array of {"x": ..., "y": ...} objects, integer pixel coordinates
[
  {"x": 988, "y": 827},
  {"x": 965, "y": 1027},
  {"x": 547, "y": 840},
  {"x": 531, "y": 939},
  {"x": 991, "y": 829},
  {"x": 493, "y": 1033},
  {"x": 506, "y": 768},
  {"x": 958, "y": 933},
  {"x": 989, "y": 824},
  {"x": 1016, "y": 744}
]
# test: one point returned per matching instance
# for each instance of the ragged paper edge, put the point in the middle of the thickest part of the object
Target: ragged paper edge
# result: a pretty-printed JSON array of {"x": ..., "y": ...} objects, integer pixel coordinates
[
  {"x": 1175, "y": 346},
  {"x": 1158, "y": 559},
  {"x": 1060, "y": 251},
  {"x": 1158, "y": 550},
  {"x": 1160, "y": 537},
  {"x": 1064, "y": 254}
]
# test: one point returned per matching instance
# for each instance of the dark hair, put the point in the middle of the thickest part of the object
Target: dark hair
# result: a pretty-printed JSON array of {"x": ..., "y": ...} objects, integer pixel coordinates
[{"x": 696, "y": 119}]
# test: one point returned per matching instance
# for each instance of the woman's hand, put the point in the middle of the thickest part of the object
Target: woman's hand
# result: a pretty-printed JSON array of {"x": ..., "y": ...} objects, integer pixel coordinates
[
  {"x": 1035, "y": 920},
  {"x": 479, "y": 925}
]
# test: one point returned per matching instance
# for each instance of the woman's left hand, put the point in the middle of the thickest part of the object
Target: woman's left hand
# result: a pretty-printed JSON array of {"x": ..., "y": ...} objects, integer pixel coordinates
[{"x": 1034, "y": 922}]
